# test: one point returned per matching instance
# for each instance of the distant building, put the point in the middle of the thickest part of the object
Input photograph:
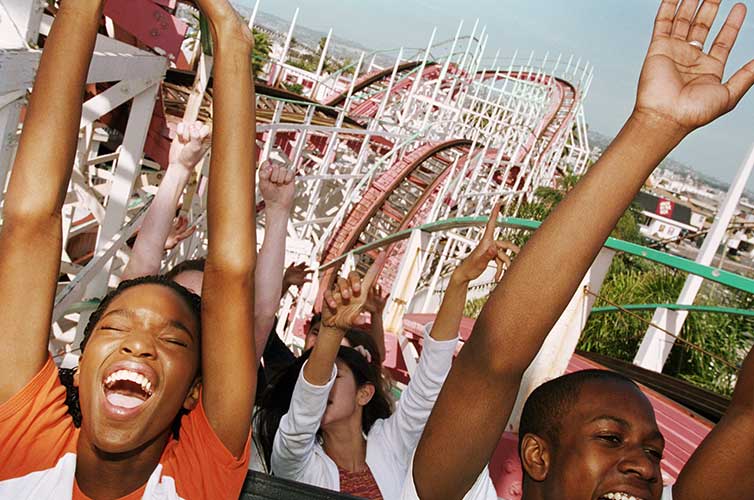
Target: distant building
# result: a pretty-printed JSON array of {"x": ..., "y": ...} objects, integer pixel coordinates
[
  {"x": 665, "y": 218},
  {"x": 741, "y": 243}
]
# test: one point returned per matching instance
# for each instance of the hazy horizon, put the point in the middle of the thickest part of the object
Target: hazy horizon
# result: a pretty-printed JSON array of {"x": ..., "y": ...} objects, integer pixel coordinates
[{"x": 610, "y": 34}]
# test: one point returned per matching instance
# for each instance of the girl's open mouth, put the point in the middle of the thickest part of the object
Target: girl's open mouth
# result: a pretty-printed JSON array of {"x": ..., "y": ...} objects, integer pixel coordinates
[{"x": 126, "y": 391}]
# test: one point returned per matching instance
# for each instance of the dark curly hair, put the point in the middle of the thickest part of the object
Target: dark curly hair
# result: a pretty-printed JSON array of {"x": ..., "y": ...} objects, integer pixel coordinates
[
  {"x": 276, "y": 399},
  {"x": 66, "y": 374}
]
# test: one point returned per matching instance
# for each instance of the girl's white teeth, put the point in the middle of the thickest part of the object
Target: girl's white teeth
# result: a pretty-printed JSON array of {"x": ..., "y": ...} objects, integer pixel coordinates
[{"x": 137, "y": 378}]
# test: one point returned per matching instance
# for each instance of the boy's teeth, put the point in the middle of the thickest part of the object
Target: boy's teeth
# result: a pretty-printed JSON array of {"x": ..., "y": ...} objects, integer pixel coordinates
[{"x": 621, "y": 496}]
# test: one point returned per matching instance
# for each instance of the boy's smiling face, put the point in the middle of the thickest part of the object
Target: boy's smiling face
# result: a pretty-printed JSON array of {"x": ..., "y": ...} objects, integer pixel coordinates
[
  {"x": 609, "y": 447},
  {"x": 139, "y": 369}
]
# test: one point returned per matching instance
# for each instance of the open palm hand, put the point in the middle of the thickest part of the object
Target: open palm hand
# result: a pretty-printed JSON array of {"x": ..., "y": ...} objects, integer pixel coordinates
[{"x": 679, "y": 82}]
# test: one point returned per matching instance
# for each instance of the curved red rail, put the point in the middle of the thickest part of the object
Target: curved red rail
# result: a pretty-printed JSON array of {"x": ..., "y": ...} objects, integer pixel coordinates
[
  {"x": 400, "y": 198},
  {"x": 391, "y": 201}
]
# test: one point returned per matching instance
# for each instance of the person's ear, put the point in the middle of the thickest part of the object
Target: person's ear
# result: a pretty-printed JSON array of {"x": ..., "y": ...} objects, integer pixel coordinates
[
  {"x": 194, "y": 393},
  {"x": 364, "y": 394},
  {"x": 76, "y": 374},
  {"x": 536, "y": 456}
]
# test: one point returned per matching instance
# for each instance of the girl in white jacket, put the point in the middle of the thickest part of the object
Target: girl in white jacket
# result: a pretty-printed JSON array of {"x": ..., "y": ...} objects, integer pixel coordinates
[{"x": 337, "y": 432}]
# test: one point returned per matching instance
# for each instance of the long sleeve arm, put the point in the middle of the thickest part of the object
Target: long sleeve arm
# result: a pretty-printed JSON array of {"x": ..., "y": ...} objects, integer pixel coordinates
[
  {"x": 293, "y": 446},
  {"x": 404, "y": 427}
]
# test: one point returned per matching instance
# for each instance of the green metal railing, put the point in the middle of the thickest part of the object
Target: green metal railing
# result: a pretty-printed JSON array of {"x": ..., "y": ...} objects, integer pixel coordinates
[
  {"x": 675, "y": 307},
  {"x": 720, "y": 276}
]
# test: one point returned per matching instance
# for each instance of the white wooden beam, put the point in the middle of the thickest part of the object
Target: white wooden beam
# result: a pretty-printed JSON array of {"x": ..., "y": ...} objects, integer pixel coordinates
[
  {"x": 103, "y": 103},
  {"x": 9, "y": 116},
  {"x": 75, "y": 290},
  {"x": 18, "y": 68},
  {"x": 124, "y": 175},
  {"x": 20, "y": 20}
]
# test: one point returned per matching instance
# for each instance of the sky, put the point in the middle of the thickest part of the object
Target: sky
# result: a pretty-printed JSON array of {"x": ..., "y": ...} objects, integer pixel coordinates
[{"x": 612, "y": 35}]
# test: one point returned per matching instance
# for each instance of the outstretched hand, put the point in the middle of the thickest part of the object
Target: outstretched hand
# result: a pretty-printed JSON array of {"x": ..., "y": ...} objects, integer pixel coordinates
[
  {"x": 680, "y": 83},
  {"x": 296, "y": 275},
  {"x": 487, "y": 250},
  {"x": 277, "y": 185},
  {"x": 376, "y": 300},
  {"x": 179, "y": 231},
  {"x": 344, "y": 303},
  {"x": 190, "y": 144}
]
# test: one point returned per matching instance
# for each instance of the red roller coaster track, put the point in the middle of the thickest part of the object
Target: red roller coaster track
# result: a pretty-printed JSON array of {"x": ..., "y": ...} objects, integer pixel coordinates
[{"x": 398, "y": 199}]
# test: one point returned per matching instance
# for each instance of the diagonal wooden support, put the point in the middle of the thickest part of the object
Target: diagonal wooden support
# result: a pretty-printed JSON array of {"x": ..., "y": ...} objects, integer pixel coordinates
[
  {"x": 124, "y": 175},
  {"x": 120, "y": 93},
  {"x": 19, "y": 22},
  {"x": 9, "y": 116}
]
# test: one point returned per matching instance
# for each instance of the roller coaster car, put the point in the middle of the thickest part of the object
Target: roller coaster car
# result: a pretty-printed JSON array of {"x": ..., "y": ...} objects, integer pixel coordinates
[{"x": 260, "y": 486}]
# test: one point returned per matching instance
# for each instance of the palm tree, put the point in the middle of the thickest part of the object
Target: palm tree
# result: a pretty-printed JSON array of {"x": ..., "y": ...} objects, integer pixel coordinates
[{"x": 261, "y": 54}]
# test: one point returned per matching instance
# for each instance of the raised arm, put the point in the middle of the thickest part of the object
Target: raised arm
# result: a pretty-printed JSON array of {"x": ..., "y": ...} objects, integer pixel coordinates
[
  {"x": 341, "y": 310},
  {"x": 680, "y": 90},
  {"x": 189, "y": 146},
  {"x": 403, "y": 428},
  {"x": 721, "y": 467},
  {"x": 228, "y": 359},
  {"x": 449, "y": 316},
  {"x": 375, "y": 305},
  {"x": 294, "y": 440},
  {"x": 31, "y": 236},
  {"x": 278, "y": 189}
]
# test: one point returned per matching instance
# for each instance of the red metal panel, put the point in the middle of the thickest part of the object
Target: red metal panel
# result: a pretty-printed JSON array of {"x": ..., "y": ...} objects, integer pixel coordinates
[
  {"x": 170, "y": 4},
  {"x": 150, "y": 24}
]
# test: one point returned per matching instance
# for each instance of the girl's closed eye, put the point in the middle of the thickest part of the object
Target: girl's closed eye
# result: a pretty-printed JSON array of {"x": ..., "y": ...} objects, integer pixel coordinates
[{"x": 175, "y": 341}]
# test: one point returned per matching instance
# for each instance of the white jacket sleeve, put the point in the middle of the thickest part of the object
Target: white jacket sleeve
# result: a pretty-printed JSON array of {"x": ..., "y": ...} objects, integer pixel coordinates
[
  {"x": 482, "y": 489},
  {"x": 293, "y": 446},
  {"x": 403, "y": 428}
]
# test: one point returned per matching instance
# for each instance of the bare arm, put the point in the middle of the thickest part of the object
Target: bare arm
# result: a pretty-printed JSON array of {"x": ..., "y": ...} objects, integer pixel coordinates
[
  {"x": 228, "y": 359},
  {"x": 679, "y": 91},
  {"x": 721, "y": 467},
  {"x": 31, "y": 237},
  {"x": 278, "y": 189},
  {"x": 188, "y": 147},
  {"x": 449, "y": 316}
]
